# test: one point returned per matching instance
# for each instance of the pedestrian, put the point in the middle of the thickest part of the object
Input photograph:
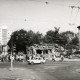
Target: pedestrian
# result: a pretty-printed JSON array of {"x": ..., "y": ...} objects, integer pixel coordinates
[
  {"x": 53, "y": 58},
  {"x": 62, "y": 57},
  {"x": 9, "y": 58}
]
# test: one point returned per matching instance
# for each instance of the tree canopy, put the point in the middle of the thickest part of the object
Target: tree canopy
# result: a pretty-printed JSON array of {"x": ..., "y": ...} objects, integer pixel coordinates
[{"x": 22, "y": 39}]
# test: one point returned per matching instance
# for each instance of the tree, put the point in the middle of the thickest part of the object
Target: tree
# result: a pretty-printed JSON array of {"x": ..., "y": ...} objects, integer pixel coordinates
[
  {"x": 54, "y": 37},
  {"x": 49, "y": 37},
  {"x": 69, "y": 35},
  {"x": 34, "y": 38},
  {"x": 63, "y": 39},
  {"x": 37, "y": 39},
  {"x": 30, "y": 37},
  {"x": 22, "y": 39},
  {"x": 18, "y": 40},
  {"x": 74, "y": 41}
]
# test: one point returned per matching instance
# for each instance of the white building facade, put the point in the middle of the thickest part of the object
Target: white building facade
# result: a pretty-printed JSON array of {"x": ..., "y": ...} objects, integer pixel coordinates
[
  {"x": 0, "y": 36},
  {"x": 4, "y": 35}
]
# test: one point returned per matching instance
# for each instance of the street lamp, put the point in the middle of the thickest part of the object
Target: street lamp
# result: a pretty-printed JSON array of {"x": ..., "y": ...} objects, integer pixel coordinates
[{"x": 11, "y": 57}]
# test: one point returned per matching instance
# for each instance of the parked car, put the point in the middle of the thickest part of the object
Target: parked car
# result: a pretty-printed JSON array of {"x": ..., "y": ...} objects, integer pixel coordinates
[{"x": 36, "y": 60}]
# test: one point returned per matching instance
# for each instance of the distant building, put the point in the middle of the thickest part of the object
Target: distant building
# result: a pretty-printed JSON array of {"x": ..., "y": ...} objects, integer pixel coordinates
[
  {"x": 4, "y": 38},
  {"x": 0, "y": 36},
  {"x": 44, "y": 50},
  {"x": 4, "y": 35}
]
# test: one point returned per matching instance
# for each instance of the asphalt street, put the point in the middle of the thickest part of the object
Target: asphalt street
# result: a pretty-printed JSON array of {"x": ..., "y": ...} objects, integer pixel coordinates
[
  {"x": 50, "y": 70},
  {"x": 57, "y": 70}
]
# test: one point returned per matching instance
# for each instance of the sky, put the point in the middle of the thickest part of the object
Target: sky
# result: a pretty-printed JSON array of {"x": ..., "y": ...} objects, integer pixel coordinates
[{"x": 37, "y": 15}]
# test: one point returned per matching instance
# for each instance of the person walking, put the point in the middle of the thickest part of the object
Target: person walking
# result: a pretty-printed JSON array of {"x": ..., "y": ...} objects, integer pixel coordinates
[
  {"x": 54, "y": 58},
  {"x": 62, "y": 57}
]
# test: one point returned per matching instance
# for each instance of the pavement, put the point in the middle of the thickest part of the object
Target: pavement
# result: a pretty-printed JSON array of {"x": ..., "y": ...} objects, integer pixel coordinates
[
  {"x": 66, "y": 59},
  {"x": 71, "y": 59},
  {"x": 17, "y": 74}
]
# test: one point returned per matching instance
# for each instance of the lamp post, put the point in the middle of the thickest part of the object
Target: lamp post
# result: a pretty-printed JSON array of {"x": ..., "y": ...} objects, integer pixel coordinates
[
  {"x": 11, "y": 55},
  {"x": 79, "y": 35},
  {"x": 11, "y": 62}
]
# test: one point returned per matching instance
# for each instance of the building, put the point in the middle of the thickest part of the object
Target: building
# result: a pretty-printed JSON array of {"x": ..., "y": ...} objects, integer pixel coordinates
[
  {"x": 4, "y": 35},
  {"x": 0, "y": 36},
  {"x": 4, "y": 38},
  {"x": 44, "y": 50}
]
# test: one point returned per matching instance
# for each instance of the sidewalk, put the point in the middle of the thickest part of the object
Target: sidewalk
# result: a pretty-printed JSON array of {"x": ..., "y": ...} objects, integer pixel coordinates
[
  {"x": 66, "y": 59},
  {"x": 17, "y": 74}
]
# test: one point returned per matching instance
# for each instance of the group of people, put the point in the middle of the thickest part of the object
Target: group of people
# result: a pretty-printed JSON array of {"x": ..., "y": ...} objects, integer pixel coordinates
[{"x": 8, "y": 58}]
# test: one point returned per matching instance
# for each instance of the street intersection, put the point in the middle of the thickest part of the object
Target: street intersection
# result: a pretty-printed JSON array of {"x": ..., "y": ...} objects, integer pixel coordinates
[{"x": 66, "y": 70}]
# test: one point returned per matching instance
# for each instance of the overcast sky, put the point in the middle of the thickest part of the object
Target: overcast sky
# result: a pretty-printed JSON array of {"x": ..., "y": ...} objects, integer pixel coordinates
[{"x": 36, "y": 15}]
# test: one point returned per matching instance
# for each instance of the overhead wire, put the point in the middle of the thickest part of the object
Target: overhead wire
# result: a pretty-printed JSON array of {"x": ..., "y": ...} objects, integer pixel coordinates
[
  {"x": 77, "y": 3},
  {"x": 76, "y": 15},
  {"x": 72, "y": 21},
  {"x": 72, "y": 7}
]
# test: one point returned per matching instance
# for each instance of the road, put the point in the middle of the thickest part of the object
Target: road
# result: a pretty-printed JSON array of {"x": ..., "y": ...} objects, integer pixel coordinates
[
  {"x": 51, "y": 70},
  {"x": 57, "y": 70}
]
